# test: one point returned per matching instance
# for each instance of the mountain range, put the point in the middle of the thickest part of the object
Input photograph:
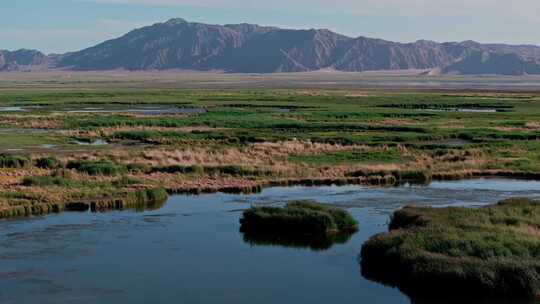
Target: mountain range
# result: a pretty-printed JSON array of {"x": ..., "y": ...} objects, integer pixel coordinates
[{"x": 248, "y": 48}]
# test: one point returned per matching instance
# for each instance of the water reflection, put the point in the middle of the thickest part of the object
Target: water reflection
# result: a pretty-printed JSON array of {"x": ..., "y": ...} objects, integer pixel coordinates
[
  {"x": 298, "y": 241},
  {"x": 140, "y": 207}
]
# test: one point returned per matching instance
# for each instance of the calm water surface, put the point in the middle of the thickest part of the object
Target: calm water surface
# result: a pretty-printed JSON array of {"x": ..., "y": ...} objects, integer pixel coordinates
[{"x": 191, "y": 251}]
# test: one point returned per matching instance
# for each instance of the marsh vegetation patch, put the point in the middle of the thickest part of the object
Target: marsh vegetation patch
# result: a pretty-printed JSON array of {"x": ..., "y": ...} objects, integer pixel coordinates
[
  {"x": 486, "y": 251},
  {"x": 298, "y": 218}
]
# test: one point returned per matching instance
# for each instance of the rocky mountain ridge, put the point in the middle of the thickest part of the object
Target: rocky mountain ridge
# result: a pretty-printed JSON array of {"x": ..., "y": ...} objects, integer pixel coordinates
[{"x": 249, "y": 48}]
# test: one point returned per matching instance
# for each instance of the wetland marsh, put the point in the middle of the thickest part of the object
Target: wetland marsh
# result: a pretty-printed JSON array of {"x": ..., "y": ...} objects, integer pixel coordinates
[
  {"x": 96, "y": 146},
  {"x": 203, "y": 140}
]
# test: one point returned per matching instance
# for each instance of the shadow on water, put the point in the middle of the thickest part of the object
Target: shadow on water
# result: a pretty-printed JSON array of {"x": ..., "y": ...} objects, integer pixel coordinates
[
  {"x": 468, "y": 300},
  {"x": 137, "y": 208},
  {"x": 388, "y": 275},
  {"x": 298, "y": 241}
]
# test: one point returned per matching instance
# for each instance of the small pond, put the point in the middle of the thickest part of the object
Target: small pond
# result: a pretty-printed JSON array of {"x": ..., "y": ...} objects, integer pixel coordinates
[
  {"x": 97, "y": 142},
  {"x": 12, "y": 109}
]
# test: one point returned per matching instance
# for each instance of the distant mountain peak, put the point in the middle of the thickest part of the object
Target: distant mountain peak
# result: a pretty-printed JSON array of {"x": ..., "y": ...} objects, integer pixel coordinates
[
  {"x": 175, "y": 21},
  {"x": 251, "y": 48},
  {"x": 426, "y": 42},
  {"x": 22, "y": 60}
]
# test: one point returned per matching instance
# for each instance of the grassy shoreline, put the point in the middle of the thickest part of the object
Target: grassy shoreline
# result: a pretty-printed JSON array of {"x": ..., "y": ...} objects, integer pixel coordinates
[
  {"x": 118, "y": 190},
  {"x": 129, "y": 199},
  {"x": 138, "y": 200},
  {"x": 489, "y": 251}
]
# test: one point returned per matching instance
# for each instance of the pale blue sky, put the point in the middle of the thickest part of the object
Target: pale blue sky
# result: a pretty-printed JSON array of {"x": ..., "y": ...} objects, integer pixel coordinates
[{"x": 68, "y": 25}]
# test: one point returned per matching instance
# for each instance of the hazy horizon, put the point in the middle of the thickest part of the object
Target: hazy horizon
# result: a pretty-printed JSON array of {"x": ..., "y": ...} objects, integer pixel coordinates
[{"x": 58, "y": 26}]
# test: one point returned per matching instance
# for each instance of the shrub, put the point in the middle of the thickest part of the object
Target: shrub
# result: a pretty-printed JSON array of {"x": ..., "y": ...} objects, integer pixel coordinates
[
  {"x": 139, "y": 168},
  {"x": 213, "y": 170},
  {"x": 97, "y": 168},
  {"x": 348, "y": 157},
  {"x": 14, "y": 161},
  {"x": 180, "y": 169},
  {"x": 139, "y": 200},
  {"x": 397, "y": 177},
  {"x": 298, "y": 218},
  {"x": 419, "y": 176},
  {"x": 42, "y": 181},
  {"x": 155, "y": 195},
  {"x": 47, "y": 163},
  {"x": 136, "y": 135},
  {"x": 235, "y": 170},
  {"x": 125, "y": 181},
  {"x": 61, "y": 173}
]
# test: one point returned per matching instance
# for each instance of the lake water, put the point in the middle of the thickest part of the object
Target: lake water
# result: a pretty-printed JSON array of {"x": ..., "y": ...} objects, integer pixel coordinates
[{"x": 191, "y": 250}]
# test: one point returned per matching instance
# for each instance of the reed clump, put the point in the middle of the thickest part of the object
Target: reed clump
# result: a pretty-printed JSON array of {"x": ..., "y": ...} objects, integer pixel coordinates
[
  {"x": 14, "y": 161},
  {"x": 302, "y": 217},
  {"x": 97, "y": 168},
  {"x": 490, "y": 251}
]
